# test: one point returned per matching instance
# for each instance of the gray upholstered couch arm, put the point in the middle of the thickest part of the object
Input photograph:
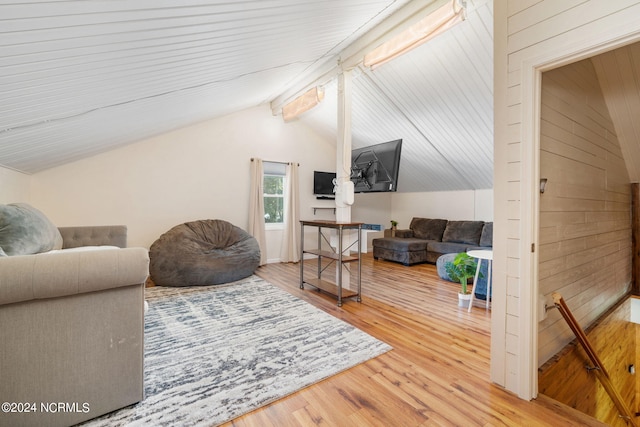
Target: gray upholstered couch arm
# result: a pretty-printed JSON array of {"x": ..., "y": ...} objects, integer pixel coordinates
[
  {"x": 101, "y": 235},
  {"x": 406, "y": 233},
  {"x": 64, "y": 273}
]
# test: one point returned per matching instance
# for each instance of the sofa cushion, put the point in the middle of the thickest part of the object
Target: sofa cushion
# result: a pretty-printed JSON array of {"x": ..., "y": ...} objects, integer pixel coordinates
[
  {"x": 428, "y": 229},
  {"x": 404, "y": 233},
  {"x": 24, "y": 230},
  {"x": 70, "y": 272},
  {"x": 463, "y": 232},
  {"x": 486, "y": 239},
  {"x": 405, "y": 257},
  {"x": 400, "y": 244},
  {"x": 96, "y": 235}
]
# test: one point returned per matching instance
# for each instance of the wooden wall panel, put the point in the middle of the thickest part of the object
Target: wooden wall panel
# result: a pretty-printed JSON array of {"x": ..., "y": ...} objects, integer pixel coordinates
[
  {"x": 566, "y": 379},
  {"x": 635, "y": 238},
  {"x": 532, "y": 33},
  {"x": 585, "y": 221}
]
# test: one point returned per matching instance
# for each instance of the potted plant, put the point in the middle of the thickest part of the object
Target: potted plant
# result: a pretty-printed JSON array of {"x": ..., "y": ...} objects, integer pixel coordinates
[
  {"x": 461, "y": 269},
  {"x": 394, "y": 226}
]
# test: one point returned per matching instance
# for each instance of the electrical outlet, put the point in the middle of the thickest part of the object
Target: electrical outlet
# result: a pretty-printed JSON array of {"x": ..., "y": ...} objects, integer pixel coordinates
[{"x": 542, "y": 308}]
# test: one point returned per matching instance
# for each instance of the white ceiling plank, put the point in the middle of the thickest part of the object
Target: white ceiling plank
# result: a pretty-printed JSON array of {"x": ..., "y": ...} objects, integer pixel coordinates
[{"x": 79, "y": 78}]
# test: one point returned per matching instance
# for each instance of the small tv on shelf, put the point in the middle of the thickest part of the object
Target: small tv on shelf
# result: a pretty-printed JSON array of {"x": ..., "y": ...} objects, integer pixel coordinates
[
  {"x": 375, "y": 168},
  {"x": 323, "y": 184}
]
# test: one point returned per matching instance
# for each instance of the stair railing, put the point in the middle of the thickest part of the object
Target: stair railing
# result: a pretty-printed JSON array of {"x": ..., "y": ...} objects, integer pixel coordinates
[{"x": 598, "y": 368}]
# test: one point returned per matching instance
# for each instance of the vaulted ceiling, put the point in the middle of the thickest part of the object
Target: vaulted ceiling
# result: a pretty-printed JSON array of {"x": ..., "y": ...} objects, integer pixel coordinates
[
  {"x": 438, "y": 98},
  {"x": 619, "y": 76},
  {"x": 78, "y": 78}
]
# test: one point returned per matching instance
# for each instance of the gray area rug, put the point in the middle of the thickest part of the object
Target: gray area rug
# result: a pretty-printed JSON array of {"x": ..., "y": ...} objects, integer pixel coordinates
[{"x": 215, "y": 353}]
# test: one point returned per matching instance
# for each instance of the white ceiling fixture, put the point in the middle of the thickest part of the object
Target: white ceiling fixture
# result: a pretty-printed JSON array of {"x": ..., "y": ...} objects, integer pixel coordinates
[
  {"x": 303, "y": 103},
  {"x": 437, "y": 22},
  {"x": 413, "y": 25}
]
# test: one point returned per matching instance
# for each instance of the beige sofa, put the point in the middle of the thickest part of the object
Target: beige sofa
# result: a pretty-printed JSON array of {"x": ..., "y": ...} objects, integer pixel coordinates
[{"x": 72, "y": 329}]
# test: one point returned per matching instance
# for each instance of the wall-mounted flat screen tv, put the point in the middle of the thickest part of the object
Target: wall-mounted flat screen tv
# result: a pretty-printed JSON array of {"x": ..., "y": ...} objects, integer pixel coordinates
[
  {"x": 323, "y": 184},
  {"x": 375, "y": 168}
]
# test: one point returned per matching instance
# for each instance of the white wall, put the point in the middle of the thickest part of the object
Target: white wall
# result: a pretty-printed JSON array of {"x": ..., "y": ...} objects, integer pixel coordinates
[
  {"x": 453, "y": 205},
  {"x": 373, "y": 208},
  {"x": 197, "y": 172},
  {"x": 585, "y": 211},
  {"x": 530, "y": 37},
  {"x": 202, "y": 171},
  {"x": 14, "y": 186}
]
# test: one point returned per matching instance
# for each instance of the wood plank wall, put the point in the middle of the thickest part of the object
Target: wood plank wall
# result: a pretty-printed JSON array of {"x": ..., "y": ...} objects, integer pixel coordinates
[
  {"x": 585, "y": 222},
  {"x": 565, "y": 378},
  {"x": 635, "y": 238}
]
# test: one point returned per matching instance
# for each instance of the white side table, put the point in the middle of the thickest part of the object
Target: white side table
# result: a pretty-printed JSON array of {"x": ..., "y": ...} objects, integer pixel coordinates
[{"x": 480, "y": 255}]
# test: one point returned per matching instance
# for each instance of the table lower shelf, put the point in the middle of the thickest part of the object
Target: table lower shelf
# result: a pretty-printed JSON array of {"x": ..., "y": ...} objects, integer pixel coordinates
[{"x": 330, "y": 287}]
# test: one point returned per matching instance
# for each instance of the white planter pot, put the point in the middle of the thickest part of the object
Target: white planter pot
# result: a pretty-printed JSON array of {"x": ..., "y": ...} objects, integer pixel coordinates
[{"x": 464, "y": 300}]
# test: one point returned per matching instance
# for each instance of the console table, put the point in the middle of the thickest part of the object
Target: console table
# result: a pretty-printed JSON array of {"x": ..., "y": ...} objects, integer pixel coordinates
[{"x": 336, "y": 256}]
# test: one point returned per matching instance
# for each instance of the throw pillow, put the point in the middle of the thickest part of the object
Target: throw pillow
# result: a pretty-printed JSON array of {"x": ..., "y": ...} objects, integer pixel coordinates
[
  {"x": 486, "y": 239},
  {"x": 25, "y": 230},
  {"x": 463, "y": 232},
  {"x": 428, "y": 229}
]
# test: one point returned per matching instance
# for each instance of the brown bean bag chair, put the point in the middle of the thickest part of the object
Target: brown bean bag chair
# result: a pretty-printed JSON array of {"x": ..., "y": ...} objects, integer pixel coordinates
[{"x": 205, "y": 252}]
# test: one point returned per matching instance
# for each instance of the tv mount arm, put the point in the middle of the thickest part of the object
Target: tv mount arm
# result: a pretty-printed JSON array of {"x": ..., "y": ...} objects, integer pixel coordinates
[{"x": 359, "y": 174}]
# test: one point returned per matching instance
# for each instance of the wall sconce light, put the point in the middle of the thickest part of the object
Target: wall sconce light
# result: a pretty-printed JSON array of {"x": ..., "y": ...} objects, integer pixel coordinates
[
  {"x": 543, "y": 184},
  {"x": 424, "y": 30},
  {"x": 303, "y": 103}
]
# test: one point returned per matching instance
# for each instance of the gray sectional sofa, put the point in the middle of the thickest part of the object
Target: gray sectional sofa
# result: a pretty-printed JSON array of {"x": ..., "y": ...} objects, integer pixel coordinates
[
  {"x": 71, "y": 319},
  {"x": 427, "y": 239}
]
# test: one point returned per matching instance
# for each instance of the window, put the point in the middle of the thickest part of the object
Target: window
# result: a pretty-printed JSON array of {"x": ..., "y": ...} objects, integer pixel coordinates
[
  {"x": 273, "y": 199},
  {"x": 273, "y": 184}
]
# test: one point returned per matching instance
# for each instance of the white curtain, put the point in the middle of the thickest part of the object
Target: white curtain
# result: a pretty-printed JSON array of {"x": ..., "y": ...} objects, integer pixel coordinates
[
  {"x": 290, "y": 250},
  {"x": 256, "y": 208}
]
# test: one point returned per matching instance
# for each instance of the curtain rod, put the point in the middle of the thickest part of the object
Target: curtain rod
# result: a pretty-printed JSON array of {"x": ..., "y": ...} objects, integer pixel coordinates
[{"x": 271, "y": 161}]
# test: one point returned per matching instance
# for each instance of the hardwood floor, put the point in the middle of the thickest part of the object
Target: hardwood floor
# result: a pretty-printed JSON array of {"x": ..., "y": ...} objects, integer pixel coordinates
[{"x": 436, "y": 374}]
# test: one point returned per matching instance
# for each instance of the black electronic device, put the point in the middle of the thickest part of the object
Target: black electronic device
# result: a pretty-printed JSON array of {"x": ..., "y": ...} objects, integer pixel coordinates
[
  {"x": 323, "y": 184},
  {"x": 375, "y": 168}
]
